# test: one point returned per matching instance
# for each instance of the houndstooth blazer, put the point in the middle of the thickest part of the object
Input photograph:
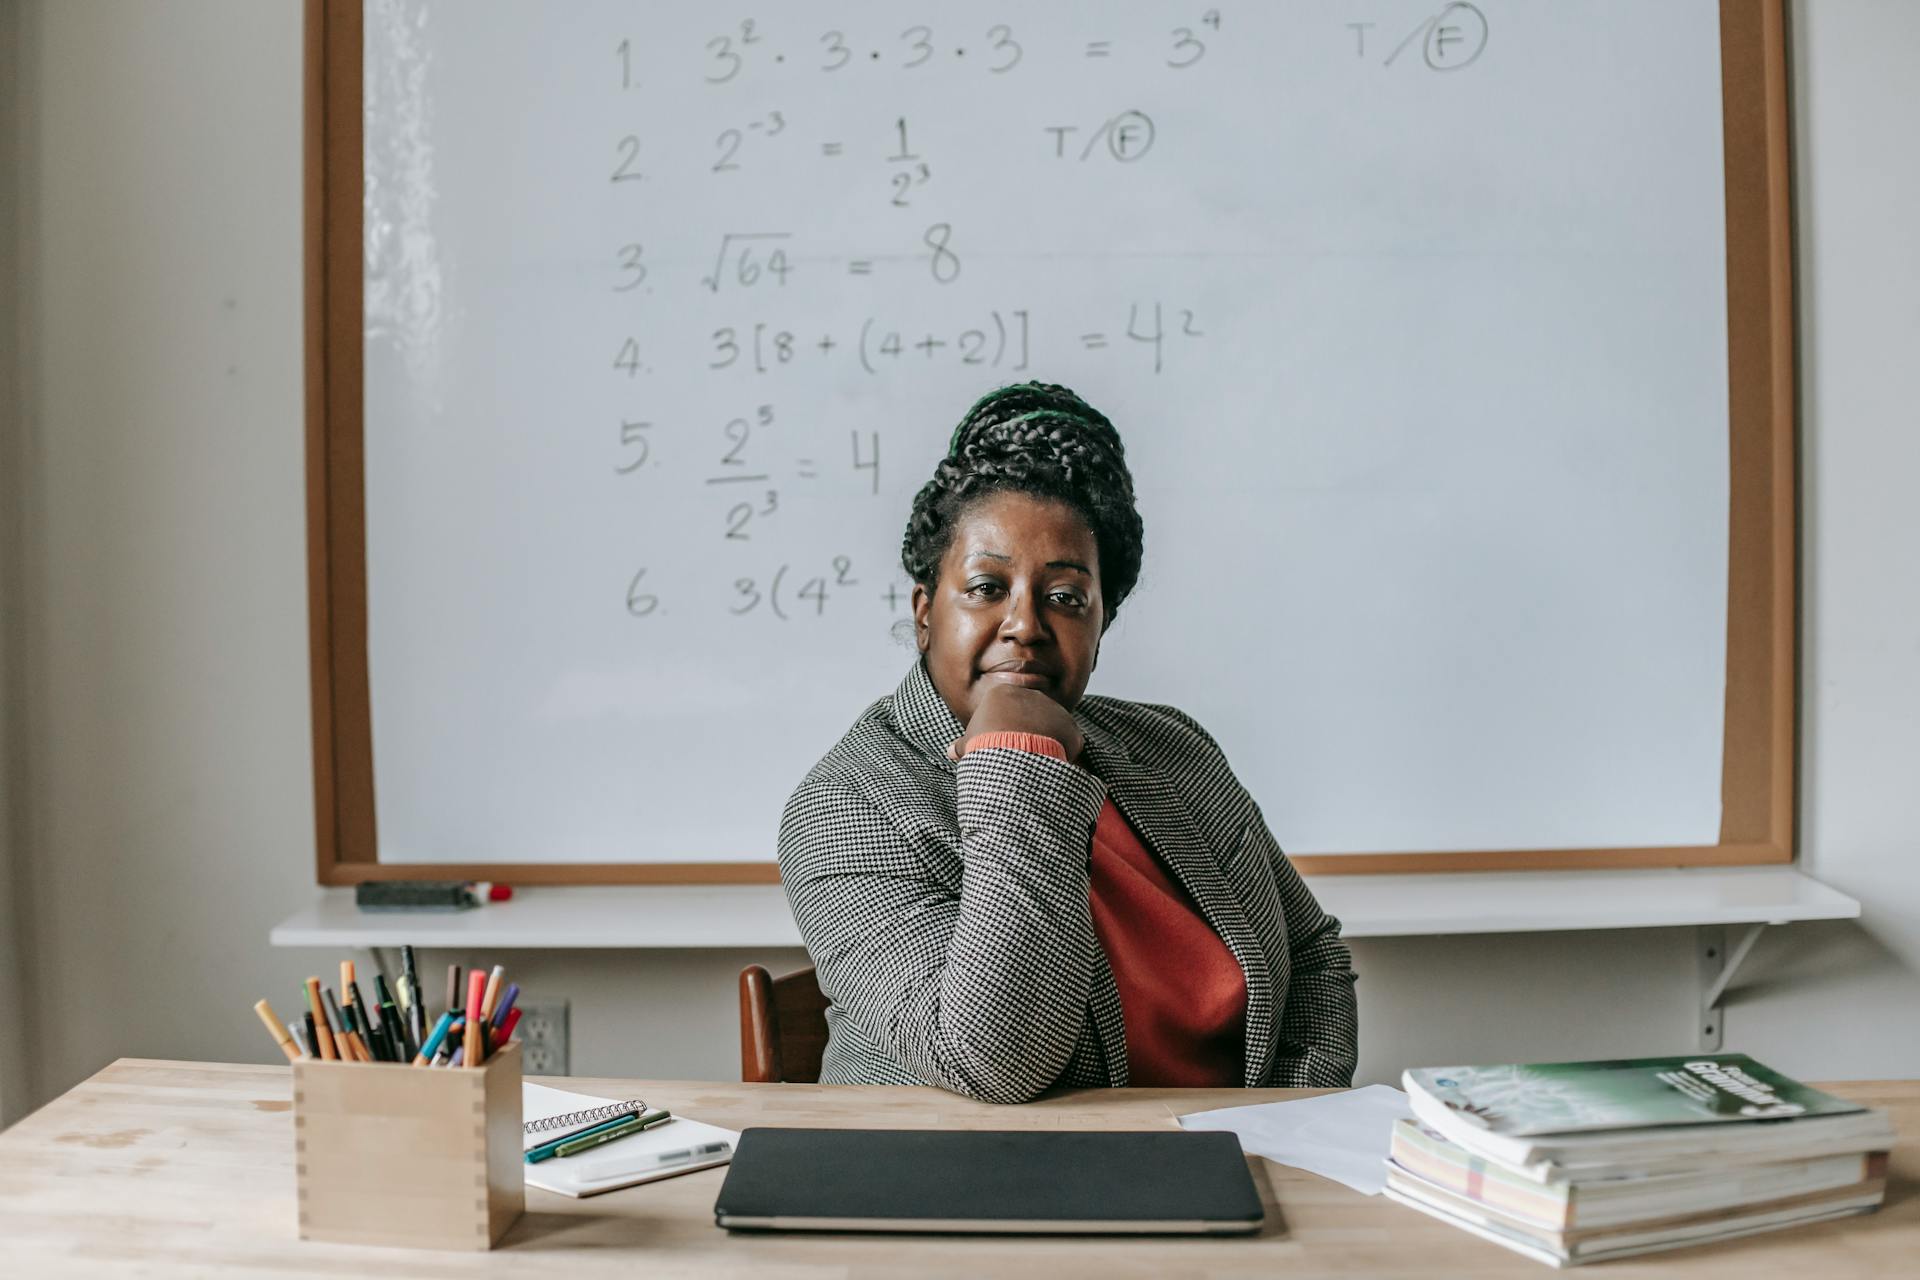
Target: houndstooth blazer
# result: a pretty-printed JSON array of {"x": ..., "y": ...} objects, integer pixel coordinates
[{"x": 946, "y": 907}]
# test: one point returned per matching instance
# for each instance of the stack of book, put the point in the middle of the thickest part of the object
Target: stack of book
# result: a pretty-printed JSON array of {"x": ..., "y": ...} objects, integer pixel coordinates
[{"x": 1582, "y": 1161}]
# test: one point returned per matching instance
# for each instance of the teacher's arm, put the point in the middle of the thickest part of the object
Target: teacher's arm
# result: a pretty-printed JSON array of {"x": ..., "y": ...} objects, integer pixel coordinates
[
  {"x": 980, "y": 990},
  {"x": 1319, "y": 1035}
]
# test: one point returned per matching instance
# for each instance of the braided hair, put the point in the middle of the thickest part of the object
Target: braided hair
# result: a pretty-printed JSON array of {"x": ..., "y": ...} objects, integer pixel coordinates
[{"x": 1039, "y": 439}]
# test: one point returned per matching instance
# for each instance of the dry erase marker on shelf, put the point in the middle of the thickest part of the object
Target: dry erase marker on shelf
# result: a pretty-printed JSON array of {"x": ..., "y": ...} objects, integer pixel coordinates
[
  {"x": 427, "y": 895},
  {"x": 277, "y": 1029}
]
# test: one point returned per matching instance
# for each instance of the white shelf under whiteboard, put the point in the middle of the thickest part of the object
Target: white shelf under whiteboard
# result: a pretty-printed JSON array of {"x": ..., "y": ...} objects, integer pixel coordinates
[{"x": 1389, "y": 906}]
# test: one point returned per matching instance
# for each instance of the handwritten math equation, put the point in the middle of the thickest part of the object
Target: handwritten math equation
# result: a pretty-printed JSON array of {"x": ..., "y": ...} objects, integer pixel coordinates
[{"x": 749, "y": 469}]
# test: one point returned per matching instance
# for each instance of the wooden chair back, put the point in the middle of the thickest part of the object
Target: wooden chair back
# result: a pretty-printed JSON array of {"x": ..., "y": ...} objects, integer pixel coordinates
[{"x": 783, "y": 1027}]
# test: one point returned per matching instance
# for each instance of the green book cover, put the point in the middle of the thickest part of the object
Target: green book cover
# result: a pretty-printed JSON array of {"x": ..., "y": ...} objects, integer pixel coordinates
[{"x": 1631, "y": 1093}]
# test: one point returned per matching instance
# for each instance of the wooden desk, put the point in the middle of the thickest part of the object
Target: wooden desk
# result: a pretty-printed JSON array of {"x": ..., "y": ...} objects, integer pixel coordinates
[{"x": 186, "y": 1169}]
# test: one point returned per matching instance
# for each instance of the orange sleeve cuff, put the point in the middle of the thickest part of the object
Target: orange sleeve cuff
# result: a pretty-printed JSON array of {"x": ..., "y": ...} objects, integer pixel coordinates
[{"x": 1038, "y": 743}]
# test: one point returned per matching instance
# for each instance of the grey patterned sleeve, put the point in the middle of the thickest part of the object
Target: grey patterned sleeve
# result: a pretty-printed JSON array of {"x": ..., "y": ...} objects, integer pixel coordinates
[
  {"x": 983, "y": 991},
  {"x": 1318, "y": 1040}
]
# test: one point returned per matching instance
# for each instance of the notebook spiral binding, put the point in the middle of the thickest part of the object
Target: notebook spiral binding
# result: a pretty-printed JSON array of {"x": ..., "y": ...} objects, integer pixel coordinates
[{"x": 593, "y": 1116}]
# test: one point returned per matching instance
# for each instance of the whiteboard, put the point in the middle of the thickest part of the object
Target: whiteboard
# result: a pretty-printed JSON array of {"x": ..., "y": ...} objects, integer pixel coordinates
[{"x": 1412, "y": 317}]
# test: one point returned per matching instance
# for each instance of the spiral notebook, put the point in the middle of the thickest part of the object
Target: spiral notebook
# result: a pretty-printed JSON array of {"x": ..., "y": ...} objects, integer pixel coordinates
[
  {"x": 548, "y": 1128},
  {"x": 552, "y": 1113}
]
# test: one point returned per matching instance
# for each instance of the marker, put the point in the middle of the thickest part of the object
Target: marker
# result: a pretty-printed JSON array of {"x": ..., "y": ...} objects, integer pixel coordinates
[
  {"x": 548, "y": 1150},
  {"x": 410, "y": 995},
  {"x": 336, "y": 1020},
  {"x": 382, "y": 1049},
  {"x": 340, "y": 1023},
  {"x": 507, "y": 998},
  {"x": 668, "y": 1159},
  {"x": 368, "y": 1028},
  {"x": 316, "y": 1009},
  {"x": 599, "y": 1137},
  {"x": 311, "y": 1038},
  {"x": 493, "y": 992},
  {"x": 352, "y": 1048},
  {"x": 476, "y": 1002},
  {"x": 277, "y": 1029},
  {"x": 390, "y": 1019},
  {"x": 431, "y": 1045},
  {"x": 506, "y": 1028},
  {"x": 453, "y": 988}
]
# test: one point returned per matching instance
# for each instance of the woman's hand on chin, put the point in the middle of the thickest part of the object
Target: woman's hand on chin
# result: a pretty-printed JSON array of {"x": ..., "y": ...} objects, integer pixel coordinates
[{"x": 1009, "y": 708}]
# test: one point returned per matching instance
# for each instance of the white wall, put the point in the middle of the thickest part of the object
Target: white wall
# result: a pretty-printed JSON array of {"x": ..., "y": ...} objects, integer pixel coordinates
[
  {"x": 163, "y": 698},
  {"x": 13, "y": 1049}
]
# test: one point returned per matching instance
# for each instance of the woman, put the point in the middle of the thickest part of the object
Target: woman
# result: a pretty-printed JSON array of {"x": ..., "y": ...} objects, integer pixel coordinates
[{"x": 1005, "y": 885}]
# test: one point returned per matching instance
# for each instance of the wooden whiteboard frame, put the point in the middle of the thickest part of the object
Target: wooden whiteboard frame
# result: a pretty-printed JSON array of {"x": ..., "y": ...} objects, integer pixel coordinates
[{"x": 1757, "y": 771}]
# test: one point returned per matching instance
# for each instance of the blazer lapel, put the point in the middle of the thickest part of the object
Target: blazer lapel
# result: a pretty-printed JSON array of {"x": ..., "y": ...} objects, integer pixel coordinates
[{"x": 1159, "y": 813}]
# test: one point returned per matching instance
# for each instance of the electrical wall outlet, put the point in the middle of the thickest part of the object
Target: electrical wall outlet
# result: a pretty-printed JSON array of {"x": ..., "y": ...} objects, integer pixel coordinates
[{"x": 542, "y": 1033}]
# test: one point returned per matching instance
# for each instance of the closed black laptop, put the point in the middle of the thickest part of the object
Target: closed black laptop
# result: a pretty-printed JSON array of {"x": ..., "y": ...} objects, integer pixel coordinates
[{"x": 944, "y": 1180}]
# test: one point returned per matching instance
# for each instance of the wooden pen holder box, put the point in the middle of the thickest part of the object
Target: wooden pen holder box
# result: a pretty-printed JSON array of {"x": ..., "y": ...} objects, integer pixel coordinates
[{"x": 428, "y": 1157}]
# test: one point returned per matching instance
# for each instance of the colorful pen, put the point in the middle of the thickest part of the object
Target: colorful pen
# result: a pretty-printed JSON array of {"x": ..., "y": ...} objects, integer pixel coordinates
[
  {"x": 338, "y": 1024},
  {"x": 277, "y": 1029},
  {"x": 431, "y": 1045},
  {"x": 410, "y": 992},
  {"x": 390, "y": 1018},
  {"x": 547, "y": 1150},
  {"x": 368, "y": 1028},
  {"x": 587, "y": 1141},
  {"x": 315, "y": 1008},
  {"x": 505, "y": 1006},
  {"x": 493, "y": 992},
  {"x": 476, "y": 1002}
]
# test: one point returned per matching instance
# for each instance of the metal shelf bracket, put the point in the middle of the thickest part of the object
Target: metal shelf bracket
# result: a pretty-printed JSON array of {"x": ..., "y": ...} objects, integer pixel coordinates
[{"x": 1718, "y": 965}]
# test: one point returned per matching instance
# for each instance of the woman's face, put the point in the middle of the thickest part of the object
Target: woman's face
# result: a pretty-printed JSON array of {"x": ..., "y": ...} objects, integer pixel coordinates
[{"x": 1017, "y": 601}]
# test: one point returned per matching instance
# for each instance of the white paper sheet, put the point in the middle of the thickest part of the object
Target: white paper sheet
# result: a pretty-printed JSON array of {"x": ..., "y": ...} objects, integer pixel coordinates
[
  {"x": 624, "y": 1163},
  {"x": 1343, "y": 1136}
]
